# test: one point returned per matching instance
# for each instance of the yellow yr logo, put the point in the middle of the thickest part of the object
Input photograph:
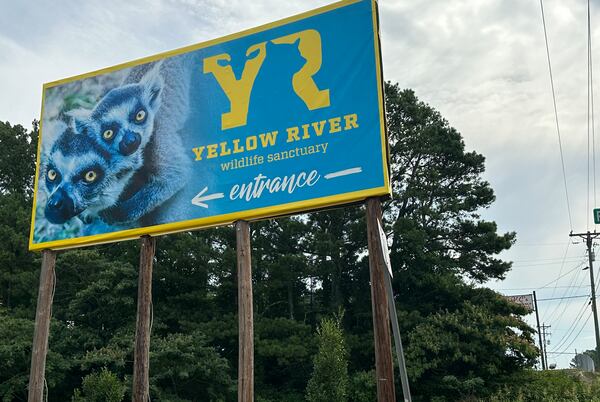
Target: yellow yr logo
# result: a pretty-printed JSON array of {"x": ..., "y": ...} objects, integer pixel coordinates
[{"x": 238, "y": 90}]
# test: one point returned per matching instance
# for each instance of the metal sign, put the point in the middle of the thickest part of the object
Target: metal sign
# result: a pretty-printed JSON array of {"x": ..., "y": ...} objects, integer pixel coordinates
[
  {"x": 597, "y": 216},
  {"x": 523, "y": 300},
  {"x": 280, "y": 119}
]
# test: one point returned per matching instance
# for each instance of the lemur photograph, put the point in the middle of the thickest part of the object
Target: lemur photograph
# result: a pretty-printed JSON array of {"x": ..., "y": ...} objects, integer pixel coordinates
[{"x": 108, "y": 164}]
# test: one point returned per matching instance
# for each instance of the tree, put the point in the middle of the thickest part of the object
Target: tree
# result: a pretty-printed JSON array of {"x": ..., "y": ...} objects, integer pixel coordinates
[
  {"x": 17, "y": 169},
  {"x": 461, "y": 339},
  {"x": 329, "y": 381},
  {"x": 103, "y": 386}
]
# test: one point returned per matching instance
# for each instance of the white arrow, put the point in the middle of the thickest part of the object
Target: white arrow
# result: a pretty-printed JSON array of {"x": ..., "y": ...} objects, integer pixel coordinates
[
  {"x": 344, "y": 172},
  {"x": 199, "y": 198}
]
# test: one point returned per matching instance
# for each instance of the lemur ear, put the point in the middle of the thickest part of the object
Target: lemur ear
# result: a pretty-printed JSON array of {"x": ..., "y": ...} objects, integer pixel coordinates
[
  {"x": 154, "y": 83},
  {"x": 79, "y": 119}
]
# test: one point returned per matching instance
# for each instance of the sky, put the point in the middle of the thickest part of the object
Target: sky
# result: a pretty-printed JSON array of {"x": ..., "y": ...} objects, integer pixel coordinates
[{"x": 481, "y": 63}]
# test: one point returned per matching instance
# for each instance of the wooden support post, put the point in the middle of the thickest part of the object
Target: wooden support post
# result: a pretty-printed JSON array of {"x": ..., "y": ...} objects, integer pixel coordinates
[
  {"x": 141, "y": 357},
  {"x": 245, "y": 314},
  {"x": 384, "y": 368},
  {"x": 42, "y": 327}
]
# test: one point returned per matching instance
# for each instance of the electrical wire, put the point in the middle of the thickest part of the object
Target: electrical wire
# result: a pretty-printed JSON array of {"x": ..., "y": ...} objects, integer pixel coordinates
[
  {"x": 552, "y": 316},
  {"x": 563, "y": 275},
  {"x": 543, "y": 264},
  {"x": 563, "y": 298},
  {"x": 572, "y": 327},
  {"x": 562, "y": 160},
  {"x": 562, "y": 265},
  {"x": 575, "y": 322},
  {"x": 591, "y": 99},
  {"x": 558, "y": 287},
  {"x": 579, "y": 333}
]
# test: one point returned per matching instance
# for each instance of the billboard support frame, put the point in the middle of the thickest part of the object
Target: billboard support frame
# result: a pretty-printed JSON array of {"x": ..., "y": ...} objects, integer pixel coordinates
[
  {"x": 245, "y": 313},
  {"x": 384, "y": 368},
  {"x": 143, "y": 327},
  {"x": 43, "y": 316}
]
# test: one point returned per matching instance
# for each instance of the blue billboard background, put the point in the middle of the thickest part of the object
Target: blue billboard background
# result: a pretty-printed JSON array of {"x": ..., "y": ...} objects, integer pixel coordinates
[{"x": 144, "y": 146}]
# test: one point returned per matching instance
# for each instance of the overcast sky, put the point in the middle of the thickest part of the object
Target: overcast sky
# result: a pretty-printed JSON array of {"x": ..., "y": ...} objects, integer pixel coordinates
[{"x": 481, "y": 63}]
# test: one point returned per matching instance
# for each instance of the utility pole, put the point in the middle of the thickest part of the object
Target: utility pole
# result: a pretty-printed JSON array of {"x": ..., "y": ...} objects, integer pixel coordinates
[
  {"x": 544, "y": 333},
  {"x": 537, "y": 319},
  {"x": 589, "y": 237}
]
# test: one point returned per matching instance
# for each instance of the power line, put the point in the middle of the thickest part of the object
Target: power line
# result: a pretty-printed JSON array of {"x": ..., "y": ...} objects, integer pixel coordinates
[
  {"x": 543, "y": 264},
  {"x": 558, "y": 287},
  {"x": 561, "y": 276},
  {"x": 559, "y": 259},
  {"x": 590, "y": 118},
  {"x": 577, "y": 319},
  {"x": 562, "y": 265},
  {"x": 579, "y": 333},
  {"x": 572, "y": 327},
  {"x": 564, "y": 298},
  {"x": 591, "y": 92},
  {"x": 562, "y": 160},
  {"x": 568, "y": 292}
]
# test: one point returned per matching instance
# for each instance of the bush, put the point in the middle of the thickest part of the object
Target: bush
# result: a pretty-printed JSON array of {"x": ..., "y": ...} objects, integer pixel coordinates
[
  {"x": 329, "y": 381},
  {"x": 104, "y": 386},
  {"x": 551, "y": 386},
  {"x": 363, "y": 387}
]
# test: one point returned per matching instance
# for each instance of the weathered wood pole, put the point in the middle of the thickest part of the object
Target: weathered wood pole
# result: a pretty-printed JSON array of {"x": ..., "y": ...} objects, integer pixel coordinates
[
  {"x": 141, "y": 354},
  {"x": 42, "y": 327},
  {"x": 245, "y": 314},
  {"x": 384, "y": 368}
]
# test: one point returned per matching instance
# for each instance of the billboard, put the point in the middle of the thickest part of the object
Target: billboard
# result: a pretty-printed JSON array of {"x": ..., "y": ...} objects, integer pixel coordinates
[
  {"x": 522, "y": 300},
  {"x": 280, "y": 119}
]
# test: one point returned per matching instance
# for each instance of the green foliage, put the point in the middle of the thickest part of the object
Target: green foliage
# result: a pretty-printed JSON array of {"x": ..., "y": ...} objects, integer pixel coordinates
[
  {"x": 185, "y": 369},
  {"x": 472, "y": 349},
  {"x": 329, "y": 381},
  {"x": 15, "y": 354},
  {"x": 550, "y": 386},
  {"x": 461, "y": 341},
  {"x": 362, "y": 387},
  {"x": 103, "y": 386}
]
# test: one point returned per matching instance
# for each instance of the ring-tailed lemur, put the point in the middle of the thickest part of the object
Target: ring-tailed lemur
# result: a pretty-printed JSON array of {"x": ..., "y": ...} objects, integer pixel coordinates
[
  {"x": 78, "y": 178},
  {"x": 122, "y": 121},
  {"x": 138, "y": 124}
]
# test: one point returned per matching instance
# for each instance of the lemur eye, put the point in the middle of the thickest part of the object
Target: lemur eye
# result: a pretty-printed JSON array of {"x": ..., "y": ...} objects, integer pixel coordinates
[
  {"x": 108, "y": 134},
  {"x": 52, "y": 174},
  {"x": 90, "y": 176},
  {"x": 140, "y": 115}
]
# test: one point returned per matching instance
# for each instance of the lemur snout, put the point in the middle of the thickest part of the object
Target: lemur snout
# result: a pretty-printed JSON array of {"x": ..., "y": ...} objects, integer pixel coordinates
[
  {"x": 129, "y": 143},
  {"x": 60, "y": 207}
]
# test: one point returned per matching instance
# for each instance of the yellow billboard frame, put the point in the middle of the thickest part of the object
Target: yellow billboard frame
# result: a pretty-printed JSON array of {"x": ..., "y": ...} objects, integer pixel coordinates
[{"x": 225, "y": 219}]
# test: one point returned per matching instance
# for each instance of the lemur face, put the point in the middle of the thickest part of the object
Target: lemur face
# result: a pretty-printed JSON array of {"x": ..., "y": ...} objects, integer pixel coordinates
[
  {"x": 123, "y": 120},
  {"x": 75, "y": 177}
]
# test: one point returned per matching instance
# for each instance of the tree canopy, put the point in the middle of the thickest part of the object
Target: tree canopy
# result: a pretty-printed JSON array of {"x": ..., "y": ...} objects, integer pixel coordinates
[{"x": 461, "y": 339}]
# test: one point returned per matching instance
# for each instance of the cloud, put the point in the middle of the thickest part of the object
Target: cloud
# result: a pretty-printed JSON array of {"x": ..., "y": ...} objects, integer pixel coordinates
[{"x": 481, "y": 63}]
